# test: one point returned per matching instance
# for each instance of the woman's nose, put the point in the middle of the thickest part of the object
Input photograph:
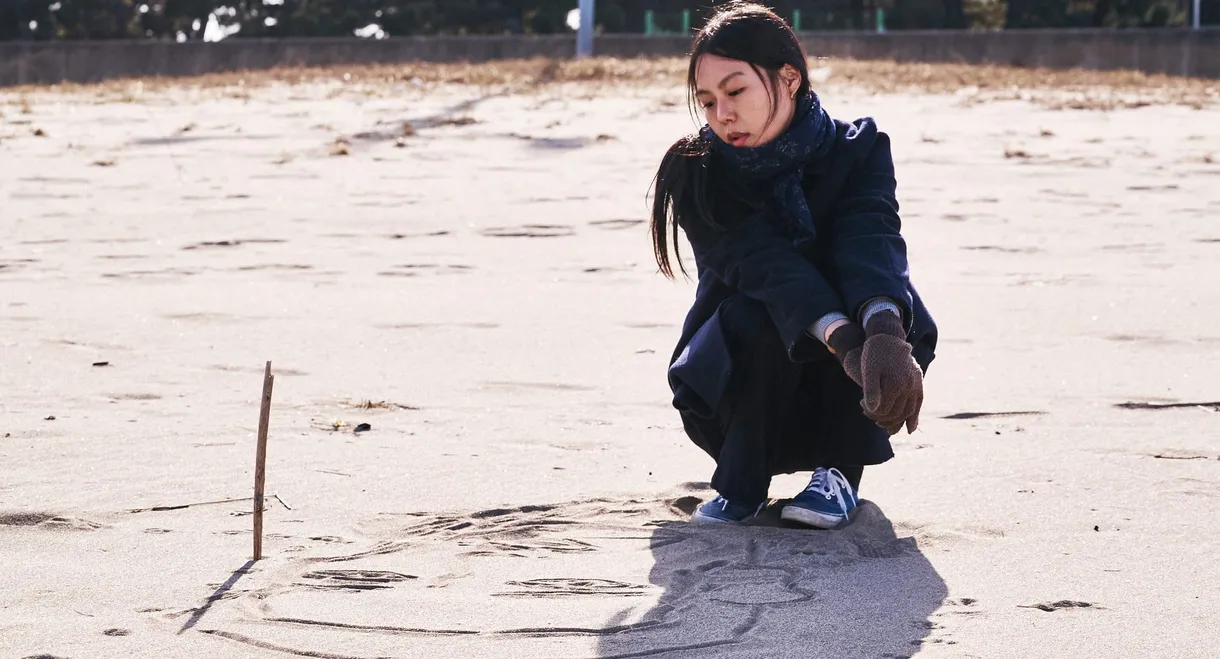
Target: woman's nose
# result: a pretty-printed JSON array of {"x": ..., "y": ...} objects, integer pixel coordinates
[{"x": 724, "y": 112}]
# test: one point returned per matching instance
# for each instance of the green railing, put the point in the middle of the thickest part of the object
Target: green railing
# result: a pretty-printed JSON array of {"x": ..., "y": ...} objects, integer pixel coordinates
[{"x": 653, "y": 28}]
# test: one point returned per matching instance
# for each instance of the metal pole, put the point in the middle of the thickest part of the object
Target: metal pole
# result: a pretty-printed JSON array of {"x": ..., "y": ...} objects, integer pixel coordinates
[
  {"x": 1198, "y": 11},
  {"x": 584, "y": 37}
]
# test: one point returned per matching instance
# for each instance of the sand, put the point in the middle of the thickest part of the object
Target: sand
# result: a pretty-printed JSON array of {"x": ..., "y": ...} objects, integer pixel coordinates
[{"x": 479, "y": 288}]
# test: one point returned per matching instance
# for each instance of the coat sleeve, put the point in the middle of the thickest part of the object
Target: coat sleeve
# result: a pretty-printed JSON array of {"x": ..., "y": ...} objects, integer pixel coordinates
[
  {"x": 869, "y": 253},
  {"x": 752, "y": 257}
]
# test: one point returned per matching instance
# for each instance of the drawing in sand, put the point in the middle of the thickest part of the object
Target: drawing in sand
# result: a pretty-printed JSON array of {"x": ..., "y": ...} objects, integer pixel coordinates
[{"x": 474, "y": 449}]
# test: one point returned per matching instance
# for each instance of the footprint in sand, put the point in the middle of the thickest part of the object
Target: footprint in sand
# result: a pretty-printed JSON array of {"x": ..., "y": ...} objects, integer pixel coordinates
[
  {"x": 48, "y": 521},
  {"x": 232, "y": 243},
  {"x": 281, "y": 267},
  {"x": 982, "y": 415},
  {"x": 961, "y": 606},
  {"x": 1061, "y": 604},
  {"x": 529, "y": 231},
  {"x": 416, "y": 269},
  {"x": 561, "y": 587},
  {"x": 24, "y": 519},
  {"x": 615, "y": 225},
  {"x": 139, "y": 274},
  {"x": 1213, "y": 405},
  {"x": 539, "y": 386},
  {"x": 353, "y": 579},
  {"x": 427, "y": 234},
  {"x": 397, "y": 326},
  {"x": 1179, "y": 454},
  {"x": 141, "y": 396}
]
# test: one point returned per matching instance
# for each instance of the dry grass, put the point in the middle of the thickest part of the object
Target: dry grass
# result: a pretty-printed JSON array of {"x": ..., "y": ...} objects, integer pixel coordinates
[
  {"x": 368, "y": 404},
  {"x": 1074, "y": 89}
]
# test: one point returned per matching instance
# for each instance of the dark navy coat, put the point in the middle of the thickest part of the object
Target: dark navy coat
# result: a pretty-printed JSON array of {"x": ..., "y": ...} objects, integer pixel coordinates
[{"x": 857, "y": 254}]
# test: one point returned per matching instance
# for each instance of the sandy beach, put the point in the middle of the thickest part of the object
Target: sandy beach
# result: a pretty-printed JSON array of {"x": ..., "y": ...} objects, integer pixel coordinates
[{"x": 459, "y": 258}]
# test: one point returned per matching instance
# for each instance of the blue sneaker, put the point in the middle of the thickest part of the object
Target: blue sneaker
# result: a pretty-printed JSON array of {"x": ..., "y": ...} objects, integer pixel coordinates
[
  {"x": 721, "y": 510},
  {"x": 825, "y": 503}
]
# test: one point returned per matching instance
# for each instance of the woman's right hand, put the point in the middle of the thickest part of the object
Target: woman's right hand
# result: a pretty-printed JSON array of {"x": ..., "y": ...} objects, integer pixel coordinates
[
  {"x": 846, "y": 341},
  {"x": 891, "y": 379}
]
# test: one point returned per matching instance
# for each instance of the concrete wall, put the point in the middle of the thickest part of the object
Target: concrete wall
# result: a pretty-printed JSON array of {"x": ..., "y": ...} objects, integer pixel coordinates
[{"x": 1179, "y": 52}]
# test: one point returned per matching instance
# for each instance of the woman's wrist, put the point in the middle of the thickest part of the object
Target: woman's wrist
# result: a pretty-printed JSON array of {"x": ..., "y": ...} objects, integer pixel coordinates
[
  {"x": 821, "y": 330},
  {"x": 830, "y": 330}
]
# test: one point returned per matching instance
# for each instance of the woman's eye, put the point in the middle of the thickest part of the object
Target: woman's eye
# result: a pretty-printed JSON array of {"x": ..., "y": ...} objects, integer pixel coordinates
[
  {"x": 708, "y": 105},
  {"x": 734, "y": 93}
]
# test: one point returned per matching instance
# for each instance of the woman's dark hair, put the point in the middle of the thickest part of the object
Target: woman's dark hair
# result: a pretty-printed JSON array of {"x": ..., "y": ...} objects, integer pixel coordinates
[{"x": 743, "y": 31}]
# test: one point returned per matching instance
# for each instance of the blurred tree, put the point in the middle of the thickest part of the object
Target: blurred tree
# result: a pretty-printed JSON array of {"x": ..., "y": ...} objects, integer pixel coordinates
[
  {"x": 1035, "y": 13},
  {"x": 16, "y": 16},
  {"x": 985, "y": 14},
  {"x": 166, "y": 19},
  {"x": 1139, "y": 13}
]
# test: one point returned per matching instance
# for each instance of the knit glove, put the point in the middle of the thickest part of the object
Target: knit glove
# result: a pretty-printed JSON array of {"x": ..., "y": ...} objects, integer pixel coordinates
[
  {"x": 892, "y": 380},
  {"x": 847, "y": 343}
]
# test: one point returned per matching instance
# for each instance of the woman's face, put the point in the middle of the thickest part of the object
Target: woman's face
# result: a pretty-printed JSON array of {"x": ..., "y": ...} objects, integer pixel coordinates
[{"x": 737, "y": 102}]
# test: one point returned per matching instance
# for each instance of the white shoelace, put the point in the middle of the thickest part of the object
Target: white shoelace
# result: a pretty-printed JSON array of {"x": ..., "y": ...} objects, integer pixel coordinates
[{"x": 830, "y": 483}]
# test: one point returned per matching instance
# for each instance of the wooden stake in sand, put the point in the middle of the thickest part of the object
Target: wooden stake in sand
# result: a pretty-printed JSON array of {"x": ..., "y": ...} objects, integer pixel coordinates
[{"x": 260, "y": 461}]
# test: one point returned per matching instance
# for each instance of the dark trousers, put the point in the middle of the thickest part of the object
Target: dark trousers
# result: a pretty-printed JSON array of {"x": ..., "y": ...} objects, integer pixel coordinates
[{"x": 779, "y": 416}]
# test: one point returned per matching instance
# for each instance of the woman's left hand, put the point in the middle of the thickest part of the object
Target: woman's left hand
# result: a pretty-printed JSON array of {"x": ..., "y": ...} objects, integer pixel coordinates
[{"x": 892, "y": 380}]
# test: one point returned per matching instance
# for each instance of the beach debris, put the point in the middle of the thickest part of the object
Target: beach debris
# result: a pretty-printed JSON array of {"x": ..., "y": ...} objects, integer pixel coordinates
[
  {"x": 101, "y": 363},
  {"x": 158, "y": 509},
  {"x": 333, "y": 426},
  {"x": 49, "y": 418},
  {"x": 340, "y": 147},
  {"x": 368, "y": 404},
  {"x": 364, "y": 427}
]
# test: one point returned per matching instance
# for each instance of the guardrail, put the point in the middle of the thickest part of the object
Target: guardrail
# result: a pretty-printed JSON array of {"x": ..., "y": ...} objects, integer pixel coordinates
[{"x": 1172, "y": 51}]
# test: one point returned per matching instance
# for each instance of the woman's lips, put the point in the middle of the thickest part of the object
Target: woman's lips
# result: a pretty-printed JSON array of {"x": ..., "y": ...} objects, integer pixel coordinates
[{"x": 738, "y": 139}]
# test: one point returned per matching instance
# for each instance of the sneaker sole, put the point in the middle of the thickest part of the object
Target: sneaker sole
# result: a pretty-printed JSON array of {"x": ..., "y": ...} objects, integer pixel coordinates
[
  {"x": 699, "y": 518},
  {"x": 810, "y": 518}
]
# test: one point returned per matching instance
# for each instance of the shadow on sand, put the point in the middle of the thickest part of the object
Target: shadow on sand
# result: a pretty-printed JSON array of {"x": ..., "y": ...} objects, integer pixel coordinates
[{"x": 767, "y": 591}]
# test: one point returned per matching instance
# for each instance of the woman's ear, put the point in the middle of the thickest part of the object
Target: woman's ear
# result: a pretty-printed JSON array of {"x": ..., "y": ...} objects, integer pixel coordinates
[{"x": 791, "y": 78}]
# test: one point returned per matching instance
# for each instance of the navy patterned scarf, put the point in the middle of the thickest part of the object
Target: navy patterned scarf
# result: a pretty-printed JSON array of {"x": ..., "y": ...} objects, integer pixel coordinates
[{"x": 782, "y": 161}]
